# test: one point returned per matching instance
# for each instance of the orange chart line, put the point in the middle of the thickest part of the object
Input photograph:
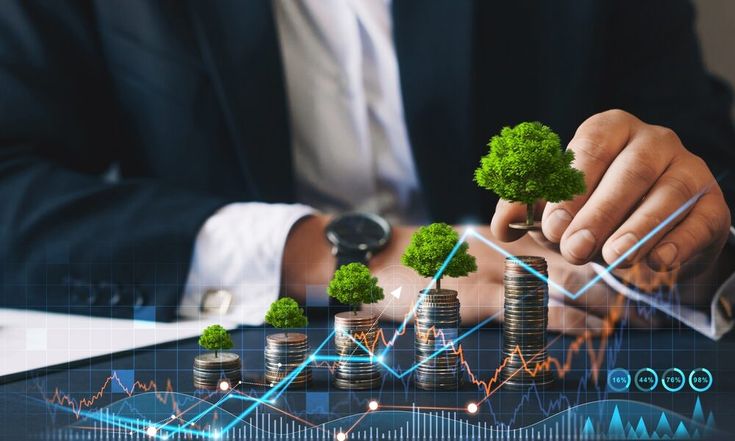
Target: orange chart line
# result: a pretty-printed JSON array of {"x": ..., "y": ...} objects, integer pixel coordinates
[
  {"x": 596, "y": 356},
  {"x": 78, "y": 406}
]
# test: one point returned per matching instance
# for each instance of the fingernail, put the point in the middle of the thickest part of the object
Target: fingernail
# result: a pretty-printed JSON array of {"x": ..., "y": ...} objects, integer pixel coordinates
[
  {"x": 581, "y": 244},
  {"x": 557, "y": 223},
  {"x": 666, "y": 254},
  {"x": 624, "y": 243}
]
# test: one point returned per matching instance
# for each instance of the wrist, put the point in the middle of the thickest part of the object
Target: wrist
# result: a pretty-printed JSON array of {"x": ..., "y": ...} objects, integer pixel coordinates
[{"x": 307, "y": 257}]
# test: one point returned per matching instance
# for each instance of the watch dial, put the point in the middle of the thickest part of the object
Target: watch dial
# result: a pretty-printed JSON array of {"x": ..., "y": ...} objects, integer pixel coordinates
[{"x": 358, "y": 231}]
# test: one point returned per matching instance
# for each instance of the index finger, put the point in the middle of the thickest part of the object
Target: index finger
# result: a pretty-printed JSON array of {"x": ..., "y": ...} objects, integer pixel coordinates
[{"x": 596, "y": 144}]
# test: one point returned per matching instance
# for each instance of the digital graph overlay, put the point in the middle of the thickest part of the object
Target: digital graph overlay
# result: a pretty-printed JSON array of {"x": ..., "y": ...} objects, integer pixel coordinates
[
  {"x": 177, "y": 425},
  {"x": 594, "y": 420}
]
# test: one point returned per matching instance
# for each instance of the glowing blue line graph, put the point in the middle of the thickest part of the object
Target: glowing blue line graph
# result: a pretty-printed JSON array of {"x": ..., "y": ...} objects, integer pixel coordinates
[{"x": 281, "y": 386}]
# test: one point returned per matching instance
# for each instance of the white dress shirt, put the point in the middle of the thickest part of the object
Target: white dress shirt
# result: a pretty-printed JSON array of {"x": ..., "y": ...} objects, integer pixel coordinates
[{"x": 350, "y": 149}]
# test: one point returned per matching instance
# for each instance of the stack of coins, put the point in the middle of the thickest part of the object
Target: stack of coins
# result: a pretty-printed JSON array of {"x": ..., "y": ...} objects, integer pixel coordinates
[
  {"x": 437, "y": 323},
  {"x": 284, "y": 353},
  {"x": 354, "y": 370},
  {"x": 211, "y": 370},
  {"x": 526, "y": 313}
]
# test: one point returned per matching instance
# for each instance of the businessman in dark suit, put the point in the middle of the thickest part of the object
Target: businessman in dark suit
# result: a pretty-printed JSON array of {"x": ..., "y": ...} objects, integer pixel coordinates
[{"x": 140, "y": 138}]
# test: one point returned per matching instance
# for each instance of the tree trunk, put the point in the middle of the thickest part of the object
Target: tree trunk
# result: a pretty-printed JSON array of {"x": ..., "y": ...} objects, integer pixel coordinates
[
  {"x": 529, "y": 214},
  {"x": 439, "y": 284},
  {"x": 215, "y": 354}
]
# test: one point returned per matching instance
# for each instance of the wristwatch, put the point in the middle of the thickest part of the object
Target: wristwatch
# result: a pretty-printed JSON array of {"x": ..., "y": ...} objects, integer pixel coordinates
[{"x": 356, "y": 237}]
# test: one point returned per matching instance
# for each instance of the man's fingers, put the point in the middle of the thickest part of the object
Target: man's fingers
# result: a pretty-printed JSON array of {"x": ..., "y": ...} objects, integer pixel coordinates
[
  {"x": 572, "y": 321},
  {"x": 705, "y": 227},
  {"x": 626, "y": 182},
  {"x": 672, "y": 191},
  {"x": 509, "y": 212},
  {"x": 596, "y": 144},
  {"x": 505, "y": 213}
]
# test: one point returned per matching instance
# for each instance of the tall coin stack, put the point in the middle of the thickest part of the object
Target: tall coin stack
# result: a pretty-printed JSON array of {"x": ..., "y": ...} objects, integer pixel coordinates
[
  {"x": 437, "y": 323},
  {"x": 526, "y": 313},
  {"x": 284, "y": 353},
  {"x": 355, "y": 374},
  {"x": 211, "y": 370}
]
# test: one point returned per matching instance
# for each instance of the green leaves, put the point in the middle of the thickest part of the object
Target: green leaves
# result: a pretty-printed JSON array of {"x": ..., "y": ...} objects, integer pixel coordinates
[
  {"x": 353, "y": 284},
  {"x": 429, "y": 248},
  {"x": 526, "y": 163},
  {"x": 286, "y": 313},
  {"x": 215, "y": 338}
]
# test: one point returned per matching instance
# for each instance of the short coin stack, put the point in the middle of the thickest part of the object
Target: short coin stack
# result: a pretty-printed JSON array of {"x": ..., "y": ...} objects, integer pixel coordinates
[
  {"x": 284, "y": 353},
  {"x": 358, "y": 372},
  {"x": 437, "y": 323},
  {"x": 525, "y": 318},
  {"x": 210, "y": 370}
]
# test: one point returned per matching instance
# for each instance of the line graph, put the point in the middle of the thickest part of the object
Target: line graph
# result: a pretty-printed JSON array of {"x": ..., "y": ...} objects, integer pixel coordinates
[{"x": 489, "y": 386}]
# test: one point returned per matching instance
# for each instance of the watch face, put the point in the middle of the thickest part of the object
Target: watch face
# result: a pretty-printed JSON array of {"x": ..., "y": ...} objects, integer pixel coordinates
[{"x": 359, "y": 231}]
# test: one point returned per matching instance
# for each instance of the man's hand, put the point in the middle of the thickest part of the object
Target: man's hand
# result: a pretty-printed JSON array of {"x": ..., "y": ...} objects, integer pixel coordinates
[
  {"x": 637, "y": 175},
  {"x": 481, "y": 292}
]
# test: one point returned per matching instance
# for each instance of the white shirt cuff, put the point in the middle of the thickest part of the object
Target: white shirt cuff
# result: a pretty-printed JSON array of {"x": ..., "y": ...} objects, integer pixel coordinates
[
  {"x": 713, "y": 325},
  {"x": 239, "y": 249}
]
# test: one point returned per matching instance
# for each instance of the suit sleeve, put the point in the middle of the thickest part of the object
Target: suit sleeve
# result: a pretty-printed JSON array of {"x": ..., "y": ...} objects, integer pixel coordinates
[
  {"x": 71, "y": 241},
  {"x": 657, "y": 73}
]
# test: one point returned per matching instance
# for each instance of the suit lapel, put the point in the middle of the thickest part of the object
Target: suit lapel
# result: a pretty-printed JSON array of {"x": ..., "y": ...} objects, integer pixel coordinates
[
  {"x": 434, "y": 46},
  {"x": 239, "y": 46}
]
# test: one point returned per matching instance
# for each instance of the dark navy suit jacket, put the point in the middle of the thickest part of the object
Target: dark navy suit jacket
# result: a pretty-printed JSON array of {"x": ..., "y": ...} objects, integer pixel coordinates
[{"x": 187, "y": 97}]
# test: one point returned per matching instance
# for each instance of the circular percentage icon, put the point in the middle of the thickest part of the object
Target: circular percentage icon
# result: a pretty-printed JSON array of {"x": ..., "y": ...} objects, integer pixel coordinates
[
  {"x": 646, "y": 380},
  {"x": 673, "y": 379}
]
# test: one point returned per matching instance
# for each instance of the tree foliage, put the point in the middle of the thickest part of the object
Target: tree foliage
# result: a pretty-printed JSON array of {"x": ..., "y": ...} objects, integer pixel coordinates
[
  {"x": 353, "y": 285},
  {"x": 286, "y": 313},
  {"x": 215, "y": 338},
  {"x": 429, "y": 247},
  {"x": 526, "y": 163}
]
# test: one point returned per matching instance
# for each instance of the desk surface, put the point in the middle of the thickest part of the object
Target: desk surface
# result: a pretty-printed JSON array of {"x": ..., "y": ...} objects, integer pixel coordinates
[{"x": 39, "y": 404}]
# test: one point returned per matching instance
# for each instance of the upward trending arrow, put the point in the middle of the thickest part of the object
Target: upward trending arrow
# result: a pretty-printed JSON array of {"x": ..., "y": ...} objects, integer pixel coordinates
[{"x": 396, "y": 292}]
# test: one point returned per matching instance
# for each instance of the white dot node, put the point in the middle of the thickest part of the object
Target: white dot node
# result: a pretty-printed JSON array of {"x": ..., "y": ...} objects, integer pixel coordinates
[
  {"x": 341, "y": 436},
  {"x": 472, "y": 408},
  {"x": 151, "y": 431},
  {"x": 373, "y": 405},
  {"x": 224, "y": 385}
]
